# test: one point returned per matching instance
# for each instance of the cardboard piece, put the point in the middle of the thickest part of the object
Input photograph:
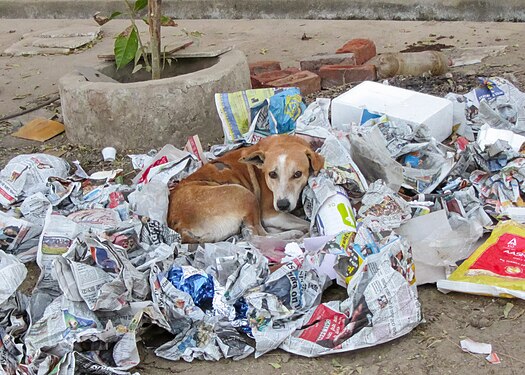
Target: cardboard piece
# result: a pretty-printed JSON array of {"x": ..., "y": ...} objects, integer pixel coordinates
[{"x": 39, "y": 129}]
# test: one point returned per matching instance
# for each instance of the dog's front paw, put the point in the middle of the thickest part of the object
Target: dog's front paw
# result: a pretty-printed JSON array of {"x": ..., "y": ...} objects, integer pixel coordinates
[
  {"x": 297, "y": 234},
  {"x": 293, "y": 234}
]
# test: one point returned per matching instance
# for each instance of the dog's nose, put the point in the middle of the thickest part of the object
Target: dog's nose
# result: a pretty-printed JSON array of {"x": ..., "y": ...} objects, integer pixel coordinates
[{"x": 283, "y": 204}]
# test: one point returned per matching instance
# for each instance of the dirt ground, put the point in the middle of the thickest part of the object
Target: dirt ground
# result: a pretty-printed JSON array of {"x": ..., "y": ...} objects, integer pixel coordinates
[{"x": 433, "y": 347}]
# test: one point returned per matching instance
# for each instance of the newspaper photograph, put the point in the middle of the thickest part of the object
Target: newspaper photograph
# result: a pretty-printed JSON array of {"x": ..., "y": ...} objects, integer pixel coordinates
[
  {"x": 381, "y": 306},
  {"x": 18, "y": 237}
]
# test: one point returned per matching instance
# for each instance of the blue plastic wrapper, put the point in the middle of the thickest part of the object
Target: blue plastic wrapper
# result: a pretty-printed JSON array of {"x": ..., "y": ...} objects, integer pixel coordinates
[
  {"x": 241, "y": 309},
  {"x": 196, "y": 283},
  {"x": 278, "y": 113},
  {"x": 411, "y": 161},
  {"x": 488, "y": 89},
  {"x": 241, "y": 317}
]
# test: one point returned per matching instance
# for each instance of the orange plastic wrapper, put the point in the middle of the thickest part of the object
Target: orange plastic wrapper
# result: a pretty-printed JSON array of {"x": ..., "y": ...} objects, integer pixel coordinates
[{"x": 496, "y": 268}]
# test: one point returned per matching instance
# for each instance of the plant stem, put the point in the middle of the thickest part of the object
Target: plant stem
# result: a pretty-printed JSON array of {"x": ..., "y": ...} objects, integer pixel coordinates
[
  {"x": 132, "y": 19},
  {"x": 154, "y": 13}
]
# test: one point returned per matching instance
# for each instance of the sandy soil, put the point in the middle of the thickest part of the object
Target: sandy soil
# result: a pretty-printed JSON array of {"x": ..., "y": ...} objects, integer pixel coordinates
[{"x": 432, "y": 348}]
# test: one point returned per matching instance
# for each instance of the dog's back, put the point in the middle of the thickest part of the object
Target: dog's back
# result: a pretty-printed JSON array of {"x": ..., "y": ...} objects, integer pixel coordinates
[{"x": 236, "y": 191}]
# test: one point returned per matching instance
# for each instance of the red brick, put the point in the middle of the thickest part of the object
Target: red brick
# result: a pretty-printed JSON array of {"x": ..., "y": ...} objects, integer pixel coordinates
[
  {"x": 259, "y": 67},
  {"x": 314, "y": 63},
  {"x": 261, "y": 80},
  {"x": 363, "y": 49},
  {"x": 338, "y": 75},
  {"x": 306, "y": 81}
]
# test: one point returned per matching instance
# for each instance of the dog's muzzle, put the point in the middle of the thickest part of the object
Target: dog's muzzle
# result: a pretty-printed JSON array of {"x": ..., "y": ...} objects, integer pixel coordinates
[{"x": 283, "y": 205}]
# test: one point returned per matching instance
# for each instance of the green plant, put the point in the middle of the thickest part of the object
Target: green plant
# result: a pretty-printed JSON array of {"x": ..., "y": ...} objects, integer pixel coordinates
[{"x": 128, "y": 45}]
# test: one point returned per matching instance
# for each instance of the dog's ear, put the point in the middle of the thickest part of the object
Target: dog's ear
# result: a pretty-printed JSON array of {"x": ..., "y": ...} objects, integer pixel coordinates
[
  {"x": 255, "y": 158},
  {"x": 316, "y": 161}
]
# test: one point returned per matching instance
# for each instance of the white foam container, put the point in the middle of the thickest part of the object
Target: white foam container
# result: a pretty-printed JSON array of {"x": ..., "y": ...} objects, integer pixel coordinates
[{"x": 396, "y": 103}]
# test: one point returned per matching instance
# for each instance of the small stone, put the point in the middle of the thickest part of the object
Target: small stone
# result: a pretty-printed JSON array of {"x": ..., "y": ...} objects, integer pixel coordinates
[{"x": 477, "y": 322}]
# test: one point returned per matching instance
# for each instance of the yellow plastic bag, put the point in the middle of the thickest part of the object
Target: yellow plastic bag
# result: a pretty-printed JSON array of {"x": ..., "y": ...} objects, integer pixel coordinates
[{"x": 496, "y": 268}]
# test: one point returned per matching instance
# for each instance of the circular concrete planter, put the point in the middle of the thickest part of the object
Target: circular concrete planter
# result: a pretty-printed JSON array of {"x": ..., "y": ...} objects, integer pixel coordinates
[{"x": 151, "y": 113}]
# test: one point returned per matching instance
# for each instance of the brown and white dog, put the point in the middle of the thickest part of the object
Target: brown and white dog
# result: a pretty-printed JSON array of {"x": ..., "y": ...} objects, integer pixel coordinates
[{"x": 245, "y": 190}]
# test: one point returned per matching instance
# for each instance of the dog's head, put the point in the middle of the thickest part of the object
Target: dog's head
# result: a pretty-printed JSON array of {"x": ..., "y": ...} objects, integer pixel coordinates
[{"x": 286, "y": 162}]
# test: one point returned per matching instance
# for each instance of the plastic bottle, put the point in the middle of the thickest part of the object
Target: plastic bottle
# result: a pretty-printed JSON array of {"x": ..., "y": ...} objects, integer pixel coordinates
[
  {"x": 411, "y": 64},
  {"x": 336, "y": 215}
]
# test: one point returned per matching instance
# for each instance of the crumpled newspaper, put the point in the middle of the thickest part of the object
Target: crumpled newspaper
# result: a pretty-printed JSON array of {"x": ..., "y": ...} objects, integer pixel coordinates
[
  {"x": 111, "y": 271},
  {"x": 25, "y": 175},
  {"x": 383, "y": 207},
  {"x": 12, "y": 274}
]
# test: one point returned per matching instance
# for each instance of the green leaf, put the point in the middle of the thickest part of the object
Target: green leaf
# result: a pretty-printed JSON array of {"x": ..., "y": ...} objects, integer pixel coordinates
[
  {"x": 138, "y": 55},
  {"x": 126, "y": 46},
  {"x": 507, "y": 309},
  {"x": 275, "y": 365},
  {"x": 140, "y": 4},
  {"x": 114, "y": 15}
]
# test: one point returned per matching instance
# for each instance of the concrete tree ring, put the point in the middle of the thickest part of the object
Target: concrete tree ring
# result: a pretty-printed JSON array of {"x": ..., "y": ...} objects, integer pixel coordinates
[{"x": 151, "y": 113}]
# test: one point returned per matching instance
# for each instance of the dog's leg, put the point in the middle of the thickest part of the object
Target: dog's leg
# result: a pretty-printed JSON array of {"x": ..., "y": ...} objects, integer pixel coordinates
[
  {"x": 286, "y": 221},
  {"x": 211, "y": 213},
  {"x": 286, "y": 226}
]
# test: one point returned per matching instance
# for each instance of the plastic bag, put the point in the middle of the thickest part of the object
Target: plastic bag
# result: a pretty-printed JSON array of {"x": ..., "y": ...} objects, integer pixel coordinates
[
  {"x": 151, "y": 200},
  {"x": 496, "y": 268},
  {"x": 275, "y": 115},
  {"x": 370, "y": 154},
  {"x": 436, "y": 246}
]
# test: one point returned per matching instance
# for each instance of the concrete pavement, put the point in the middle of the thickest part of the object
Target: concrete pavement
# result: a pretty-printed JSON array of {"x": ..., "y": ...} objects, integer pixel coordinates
[{"x": 24, "y": 79}]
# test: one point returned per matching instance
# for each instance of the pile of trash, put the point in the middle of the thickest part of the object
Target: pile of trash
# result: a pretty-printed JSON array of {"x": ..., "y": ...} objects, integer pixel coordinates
[{"x": 399, "y": 203}]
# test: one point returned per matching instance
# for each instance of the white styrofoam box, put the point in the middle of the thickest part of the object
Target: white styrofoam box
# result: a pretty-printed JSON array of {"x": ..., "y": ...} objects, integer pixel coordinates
[{"x": 396, "y": 103}]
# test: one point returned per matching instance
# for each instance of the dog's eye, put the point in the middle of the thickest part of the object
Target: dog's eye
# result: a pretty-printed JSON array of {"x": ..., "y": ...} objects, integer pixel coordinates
[
  {"x": 297, "y": 174},
  {"x": 272, "y": 174}
]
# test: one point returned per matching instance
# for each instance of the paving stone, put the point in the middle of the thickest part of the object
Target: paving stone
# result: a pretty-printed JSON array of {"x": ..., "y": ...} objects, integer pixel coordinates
[
  {"x": 24, "y": 47},
  {"x": 72, "y": 31},
  {"x": 70, "y": 42}
]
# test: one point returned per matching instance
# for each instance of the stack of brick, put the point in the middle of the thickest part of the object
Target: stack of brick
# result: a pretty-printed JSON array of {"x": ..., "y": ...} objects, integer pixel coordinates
[
  {"x": 347, "y": 70},
  {"x": 269, "y": 74},
  {"x": 347, "y": 65}
]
